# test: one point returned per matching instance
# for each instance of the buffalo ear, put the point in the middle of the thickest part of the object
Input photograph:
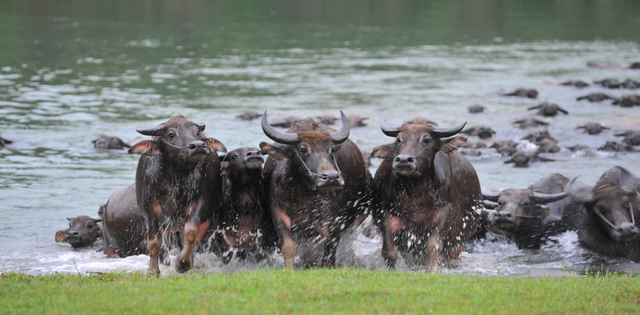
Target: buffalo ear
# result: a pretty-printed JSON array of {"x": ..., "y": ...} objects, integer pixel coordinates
[
  {"x": 453, "y": 143},
  {"x": 543, "y": 211},
  {"x": 68, "y": 218},
  {"x": 386, "y": 152},
  {"x": 59, "y": 236},
  {"x": 215, "y": 145},
  {"x": 276, "y": 150},
  {"x": 96, "y": 220},
  {"x": 94, "y": 140},
  {"x": 146, "y": 147}
]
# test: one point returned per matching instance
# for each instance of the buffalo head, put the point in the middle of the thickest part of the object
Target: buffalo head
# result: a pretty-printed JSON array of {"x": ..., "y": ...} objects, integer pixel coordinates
[
  {"x": 415, "y": 147},
  {"x": 108, "y": 142},
  {"x": 179, "y": 140},
  {"x": 520, "y": 209},
  {"x": 614, "y": 206},
  {"x": 83, "y": 231},
  {"x": 310, "y": 149}
]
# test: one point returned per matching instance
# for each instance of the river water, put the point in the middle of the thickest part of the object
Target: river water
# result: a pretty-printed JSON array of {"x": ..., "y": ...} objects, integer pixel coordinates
[{"x": 71, "y": 71}]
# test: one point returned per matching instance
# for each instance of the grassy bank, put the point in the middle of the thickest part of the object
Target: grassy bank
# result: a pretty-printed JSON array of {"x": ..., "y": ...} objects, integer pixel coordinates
[{"x": 317, "y": 291}]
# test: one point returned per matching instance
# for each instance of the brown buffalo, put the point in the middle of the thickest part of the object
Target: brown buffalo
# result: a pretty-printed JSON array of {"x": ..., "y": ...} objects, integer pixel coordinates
[
  {"x": 427, "y": 195},
  {"x": 83, "y": 231},
  {"x": 249, "y": 115},
  {"x": 124, "y": 231},
  {"x": 522, "y": 159},
  {"x": 245, "y": 229},
  {"x": 317, "y": 183},
  {"x": 610, "y": 210},
  {"x": 529, "y": 216},
  {"x": 178, "y": 185},
  {"x": 483, "y": 132}
]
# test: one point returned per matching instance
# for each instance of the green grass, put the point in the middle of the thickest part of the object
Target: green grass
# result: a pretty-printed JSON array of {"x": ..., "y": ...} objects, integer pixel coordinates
[{"x": 317, "y": 291}]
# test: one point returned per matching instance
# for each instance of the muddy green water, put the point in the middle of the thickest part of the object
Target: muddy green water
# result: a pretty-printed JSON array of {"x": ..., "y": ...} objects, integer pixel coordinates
[{"x": 73, "y": 70}]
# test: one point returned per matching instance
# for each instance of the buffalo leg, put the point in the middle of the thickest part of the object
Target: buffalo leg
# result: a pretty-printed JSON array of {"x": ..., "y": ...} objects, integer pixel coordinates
[
  {"x": 330, "y": 248},
  {"x": 155, "y": 244},
  {"x": 282, "y": 224},
  {"x": 434, "y": 248},
  {"x": 389, "y": 250},
  {"x": 185, "y": 260}
]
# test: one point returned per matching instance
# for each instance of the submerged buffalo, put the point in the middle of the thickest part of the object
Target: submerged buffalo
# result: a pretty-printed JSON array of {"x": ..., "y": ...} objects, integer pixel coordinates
[
  {"x": 529, "y": 93},
  {"x": 110, "y": 143},
  {"x": 576, "y": 83},
  {"x": 631, "y": 137},
  {"x": 609, "y": 226},
  {"x": 529, "y": 216},
  {"x": 522, "y": 159},
  {"x": 317, "y": 184},
  {"x": 529, "y": 122},
  {"x": 178, "y": 185},
  {"x": 547, "y": 109},
  {"x": 483, "y": 132},
  {"x": 245, "y": 229},
  {"x": 83, "y": 231},
  {"x": 596, "y": 97},
  {"x": 124, "y": 231},
  {"x": 628, "y": 100},
  {"x": 593, "y": 128},
  {"x": 249, "y": 115},
  {"x": 4, "y": 141},
  {"x": 476, "y": 108},
  {"x": 421, "y": 120},
  {"x": 427, "y": 194}
]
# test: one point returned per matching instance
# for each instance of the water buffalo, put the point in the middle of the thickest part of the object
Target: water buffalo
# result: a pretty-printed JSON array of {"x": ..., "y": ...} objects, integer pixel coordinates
[
  {"x": 609, "y": 83},
  {"x": 595, "y": 97},
  {"x": 245, "y": 228},
  {"x": 427, "y": 195},
  {"x": 317, "y": 184},
  {"x": 530, "y": 93},
  {"x": 538, "y": 136},
  {"x": 505, "y": 147},
  {"x": 357, "y": 121},
  {"x": 522, "y": 159},
  {"x": 529, "y": 216},
  {"x": 631, "y": 137},
  {"x": 483, "y": 132},
  {"x": 609, "y": 226},
  {"x": 548, "y": 146},
  {"x": 476, "y": 108},
  {"x": 630, "y": 84},
  {"x": 576, "y": 83},
  {"x": 593, "y": 128},
  {"x": 578, "y": 147},
  {"x": 83, "y": 231},
  {"x": 178, "y": 185},
  {"x": 124, "y": 231},
  {"x": 249, "y": 115},
  {"x": 635, "y": 65},
  {"x": 327, "y": 119},
  {"x": 525, "y": 123},
  {"x": 547, "y": 109},
  {"x": 109, "y": 142},
  {"x": 628, "y": 100},
  {"x": 4, "y": 141},
  {"x": 421, "y": 120},
  {"x": 613, "y": 146}
]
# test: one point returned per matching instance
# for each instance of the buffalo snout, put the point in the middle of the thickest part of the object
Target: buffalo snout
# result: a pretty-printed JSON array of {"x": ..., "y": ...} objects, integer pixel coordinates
[
  {"x": 625, "y": 232},
  {"x": 404, "y": 164},
  {"x": 330, "y": 180},
  {"x": 253, "y": 159}
]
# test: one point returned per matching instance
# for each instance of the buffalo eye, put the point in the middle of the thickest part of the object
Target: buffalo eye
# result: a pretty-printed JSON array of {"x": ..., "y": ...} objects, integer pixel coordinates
[
  {"x": 233, "y": 157},
  {"x": 198, "y": 133},
  {"x": 171, "y": 135},
  {"x": 427, "y": 140},
  {"x": 398, "y": 140},
  {"x": 303, "y": 150},
  {"x": 90, "y": 225},
  {"x": 70, "y": 225},
  {"x": 526, "y": 203}
]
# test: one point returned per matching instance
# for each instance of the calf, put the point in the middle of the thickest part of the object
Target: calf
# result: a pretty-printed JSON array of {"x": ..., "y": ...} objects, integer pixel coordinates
[
  {"x": 244, "y": 227},
  {"x": 83, "y": 231},
  {"x": 124, "y": 232}
]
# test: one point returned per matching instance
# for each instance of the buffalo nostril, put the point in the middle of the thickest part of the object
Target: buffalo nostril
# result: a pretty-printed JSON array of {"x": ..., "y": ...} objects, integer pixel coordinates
[
  {"x": 410, "y": 160},
  {"x": 397, "y": 159},
  {"x": 72, "y": 233}
]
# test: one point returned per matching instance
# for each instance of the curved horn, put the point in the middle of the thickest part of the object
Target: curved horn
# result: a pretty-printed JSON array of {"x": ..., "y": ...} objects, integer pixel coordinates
[
  {"x": 579, "y": 192},
  {"x": 493, "y": 198},
  {"x": 632, "y": 188},
  {"x": 341, "y": 135},
  {"x": 448, "y": 132},
  {"x": 155, "y": 131},
  {"x": 546, "y": 198},
  {"x": 388, "y": 130},
  {"x": 275, "y": 135}
]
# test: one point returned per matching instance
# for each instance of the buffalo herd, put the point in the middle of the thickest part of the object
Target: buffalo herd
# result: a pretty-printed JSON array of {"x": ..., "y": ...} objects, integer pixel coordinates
[{"x": 312, "y": 184}]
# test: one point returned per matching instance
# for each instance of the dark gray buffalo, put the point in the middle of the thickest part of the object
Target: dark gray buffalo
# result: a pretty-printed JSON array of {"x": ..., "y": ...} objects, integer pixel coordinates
[
  {"x": 245, "y": 229},
  {"x": 611, "y": 207},
  {"x": 109, "y": 142},
  {"x": 83, "y": 231},
  {"x": 124, "y": 231},
  {"x": 4, "y": 141},
  {"x": 317, "y": 183},
  {"x": 178, "y": 185},
  {"x": 529, "y": 216},
  {"x": 427, "y": 195}
]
